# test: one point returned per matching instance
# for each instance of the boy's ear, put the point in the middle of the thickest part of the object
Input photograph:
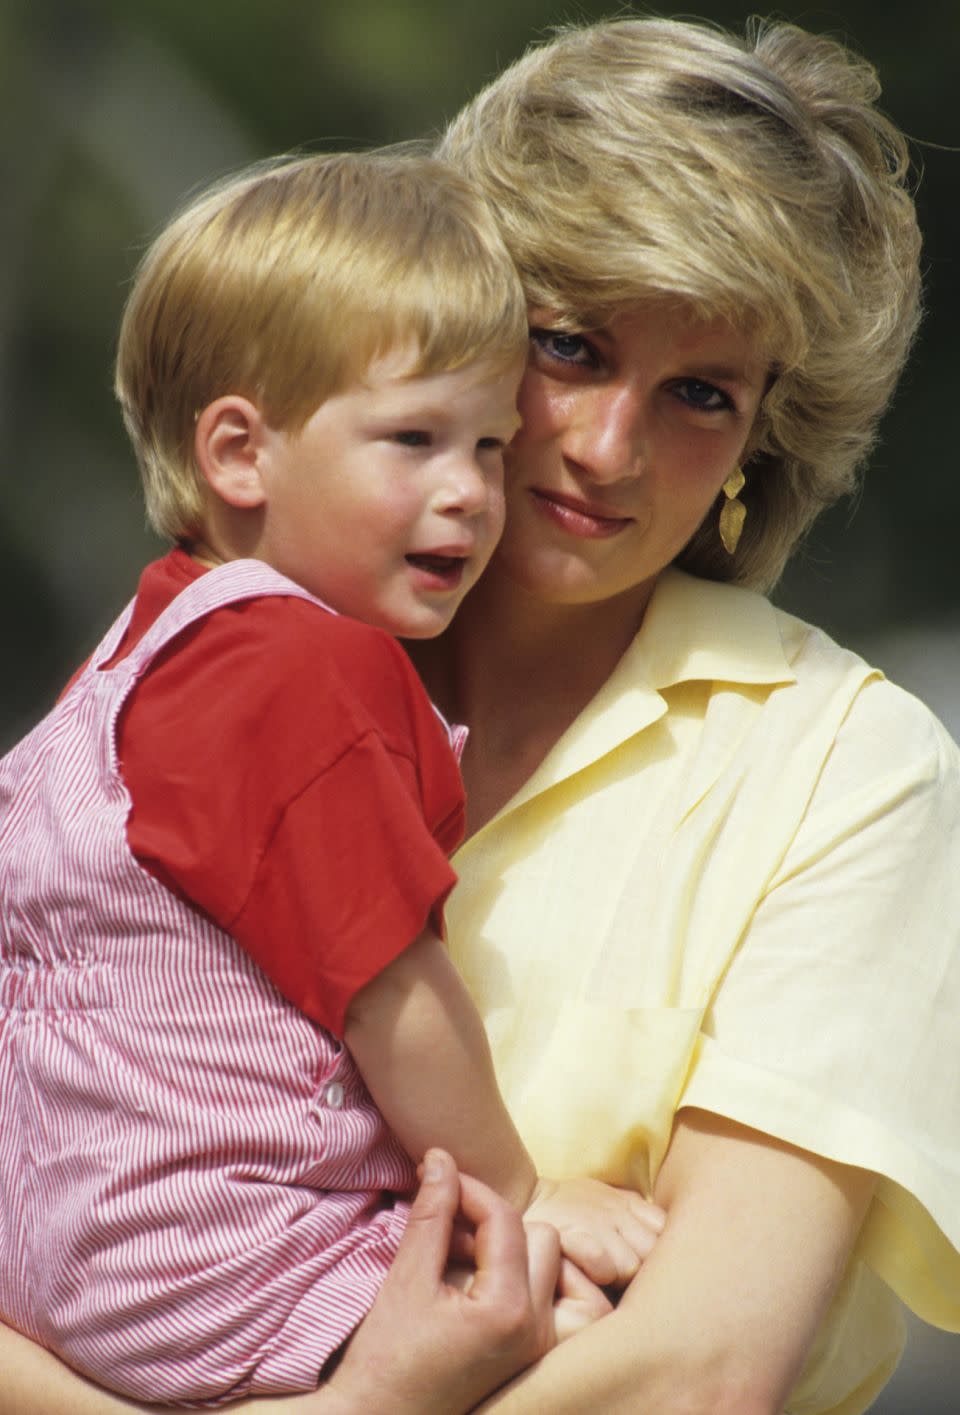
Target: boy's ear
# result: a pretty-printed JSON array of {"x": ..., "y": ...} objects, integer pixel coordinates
[{"x": 229, "y": 445}]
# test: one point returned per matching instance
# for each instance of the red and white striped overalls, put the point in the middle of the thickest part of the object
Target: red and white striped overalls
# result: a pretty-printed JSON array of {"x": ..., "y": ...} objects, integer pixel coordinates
[{"x": 191, "y": 1172}]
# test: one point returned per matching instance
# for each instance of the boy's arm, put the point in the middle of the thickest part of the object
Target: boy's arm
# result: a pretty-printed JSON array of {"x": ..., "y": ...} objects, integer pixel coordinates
[
  {"x": 422, "y": 1051},
  {"x": 421, "y": 1048}
]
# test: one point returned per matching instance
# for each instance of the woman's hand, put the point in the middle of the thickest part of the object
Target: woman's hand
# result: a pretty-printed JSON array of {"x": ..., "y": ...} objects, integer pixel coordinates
[
  {"x": 579, "y": 1302},
  {"x": 433, "y": 1347}
]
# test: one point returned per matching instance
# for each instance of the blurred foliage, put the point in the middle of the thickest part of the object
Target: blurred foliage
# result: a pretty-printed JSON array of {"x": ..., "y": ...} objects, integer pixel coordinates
[{"x": 113, "y": 111}]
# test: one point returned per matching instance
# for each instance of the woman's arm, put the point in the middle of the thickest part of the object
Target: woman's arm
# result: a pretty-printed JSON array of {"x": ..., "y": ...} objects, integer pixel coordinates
[
  {"x": 721, "y": 1316},
  {"x": 425, "y": 1348}
]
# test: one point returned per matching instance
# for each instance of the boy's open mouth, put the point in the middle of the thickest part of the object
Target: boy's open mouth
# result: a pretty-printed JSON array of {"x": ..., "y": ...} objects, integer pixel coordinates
[
  {"x": 438, "y": 564},
  {"x": 443, "y": 569}
]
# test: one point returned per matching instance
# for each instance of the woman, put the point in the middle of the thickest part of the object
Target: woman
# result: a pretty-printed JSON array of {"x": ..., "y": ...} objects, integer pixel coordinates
[{"x": 708, "y": 908}]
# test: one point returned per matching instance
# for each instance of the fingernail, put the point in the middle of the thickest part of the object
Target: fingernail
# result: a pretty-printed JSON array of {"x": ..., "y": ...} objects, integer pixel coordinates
[{"x": 432, "y": 1166}]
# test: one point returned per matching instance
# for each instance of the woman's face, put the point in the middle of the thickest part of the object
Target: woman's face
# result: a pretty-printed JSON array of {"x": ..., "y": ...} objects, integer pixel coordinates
[{"x": 629, "y": 432}]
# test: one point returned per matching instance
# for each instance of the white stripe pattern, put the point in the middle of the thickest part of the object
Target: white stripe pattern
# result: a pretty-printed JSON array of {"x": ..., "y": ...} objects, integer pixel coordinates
[{"x": 191, "y": 1172}]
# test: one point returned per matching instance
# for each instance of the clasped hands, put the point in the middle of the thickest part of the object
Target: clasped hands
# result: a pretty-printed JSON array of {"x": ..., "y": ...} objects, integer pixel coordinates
[
  {"x": 604, "y": 1233},
  {"x": 477, "y": 1293}
]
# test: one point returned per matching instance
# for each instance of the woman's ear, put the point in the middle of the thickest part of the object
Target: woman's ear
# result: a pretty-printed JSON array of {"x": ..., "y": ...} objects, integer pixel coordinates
[{"x": 229, "y": 445}]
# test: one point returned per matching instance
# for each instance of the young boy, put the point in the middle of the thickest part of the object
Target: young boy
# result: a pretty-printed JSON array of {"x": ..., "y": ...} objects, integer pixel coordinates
[{"x": 223, "y": 856}]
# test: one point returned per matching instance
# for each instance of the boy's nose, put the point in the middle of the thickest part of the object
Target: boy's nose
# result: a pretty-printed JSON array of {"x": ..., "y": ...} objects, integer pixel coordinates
[{"x": 466, "y": 490}]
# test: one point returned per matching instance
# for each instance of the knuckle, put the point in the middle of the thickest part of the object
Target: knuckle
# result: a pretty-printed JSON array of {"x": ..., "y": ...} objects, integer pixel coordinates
[
  {"x": 544, "y": 1237},
  {"x": 514, "y": 1318}
]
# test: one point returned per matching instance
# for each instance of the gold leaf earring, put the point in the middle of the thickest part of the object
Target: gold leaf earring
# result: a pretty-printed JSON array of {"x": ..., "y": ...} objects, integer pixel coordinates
[{"x": 733, "y": 513}]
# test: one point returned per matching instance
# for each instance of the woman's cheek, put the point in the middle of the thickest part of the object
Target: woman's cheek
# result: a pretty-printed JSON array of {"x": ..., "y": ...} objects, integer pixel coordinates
[{"x": 543, "y": 405}]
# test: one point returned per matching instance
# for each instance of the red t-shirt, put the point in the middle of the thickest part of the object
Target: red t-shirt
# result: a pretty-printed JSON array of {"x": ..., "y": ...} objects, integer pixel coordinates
[{"x": 291, "y": 779}]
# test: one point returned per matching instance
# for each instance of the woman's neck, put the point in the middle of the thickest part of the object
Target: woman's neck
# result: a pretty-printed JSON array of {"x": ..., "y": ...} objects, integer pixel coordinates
[{"x": 518, "y": 672}]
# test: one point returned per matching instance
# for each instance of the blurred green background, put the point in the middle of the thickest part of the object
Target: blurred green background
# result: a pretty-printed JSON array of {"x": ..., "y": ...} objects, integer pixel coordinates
[{"x": 114, "y": 109}]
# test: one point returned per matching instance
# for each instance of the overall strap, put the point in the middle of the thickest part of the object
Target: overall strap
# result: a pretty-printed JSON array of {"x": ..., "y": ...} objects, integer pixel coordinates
[
  {"x": 111, "y": 640},
  {"x": 232, "y": 583}
]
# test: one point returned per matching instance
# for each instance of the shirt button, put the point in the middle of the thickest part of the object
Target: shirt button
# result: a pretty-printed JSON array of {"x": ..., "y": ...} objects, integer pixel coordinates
[{"x": 333, "y": 1096}]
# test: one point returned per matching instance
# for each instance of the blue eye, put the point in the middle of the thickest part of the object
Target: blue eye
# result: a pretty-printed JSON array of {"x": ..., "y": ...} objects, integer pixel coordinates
[
  {"x": 563, "y": 347},
  {"x": 705, "y": 397}
]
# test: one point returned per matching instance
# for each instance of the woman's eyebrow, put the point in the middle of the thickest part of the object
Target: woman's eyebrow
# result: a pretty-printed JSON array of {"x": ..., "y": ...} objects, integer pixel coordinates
[{"x": 728, "y": 373}]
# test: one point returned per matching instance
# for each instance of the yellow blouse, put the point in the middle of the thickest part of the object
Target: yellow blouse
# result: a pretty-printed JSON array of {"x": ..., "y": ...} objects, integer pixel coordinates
[{"x": 735, "y": 884}]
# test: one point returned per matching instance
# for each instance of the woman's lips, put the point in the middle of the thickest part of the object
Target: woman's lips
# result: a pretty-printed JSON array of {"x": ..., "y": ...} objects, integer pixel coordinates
[{"x": 577, "y": 517}]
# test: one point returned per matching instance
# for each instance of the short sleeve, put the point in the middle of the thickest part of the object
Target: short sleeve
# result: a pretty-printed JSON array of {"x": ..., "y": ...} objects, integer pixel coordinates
[
  {"x": 290, "y": 778},
  {"x": 355, "y": 877},
  {"x": 836, "y": 1026}
]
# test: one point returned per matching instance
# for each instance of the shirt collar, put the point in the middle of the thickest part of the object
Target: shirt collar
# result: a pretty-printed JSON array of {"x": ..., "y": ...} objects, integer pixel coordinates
[
  {"x": 697, "y": 630},
  {"x": 693, "y": 630}
]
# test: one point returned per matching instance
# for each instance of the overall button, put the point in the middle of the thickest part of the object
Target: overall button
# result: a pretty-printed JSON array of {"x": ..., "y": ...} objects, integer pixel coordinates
[{"x": 333, "y": 1096}]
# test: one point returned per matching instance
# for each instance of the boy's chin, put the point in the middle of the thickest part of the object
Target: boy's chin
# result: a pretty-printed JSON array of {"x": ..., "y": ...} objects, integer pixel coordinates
[{"x": 430, "y": 626}]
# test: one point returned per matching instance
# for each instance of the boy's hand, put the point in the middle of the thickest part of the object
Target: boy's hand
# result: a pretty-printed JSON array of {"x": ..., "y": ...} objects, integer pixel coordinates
[{"x": 606, "y": 1232}]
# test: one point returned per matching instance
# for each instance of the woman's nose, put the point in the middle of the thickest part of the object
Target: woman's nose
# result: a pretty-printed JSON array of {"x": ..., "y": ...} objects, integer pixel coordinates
[{"x": 607, "y": 434}]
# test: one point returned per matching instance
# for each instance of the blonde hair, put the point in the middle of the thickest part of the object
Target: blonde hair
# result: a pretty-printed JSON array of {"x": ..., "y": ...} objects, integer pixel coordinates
[
  {"x": 755, "y": 180},
  {"x": 283, "y": 284}
]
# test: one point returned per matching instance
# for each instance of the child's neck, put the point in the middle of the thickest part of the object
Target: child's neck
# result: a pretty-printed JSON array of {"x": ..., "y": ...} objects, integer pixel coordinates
[{"x": 199, "y": 551}]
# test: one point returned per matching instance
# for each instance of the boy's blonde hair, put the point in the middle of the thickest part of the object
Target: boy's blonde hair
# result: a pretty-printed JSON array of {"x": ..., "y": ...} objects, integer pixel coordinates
[
  {"x": 754, "y": 180},
  {"x": 283, "y": 284}
]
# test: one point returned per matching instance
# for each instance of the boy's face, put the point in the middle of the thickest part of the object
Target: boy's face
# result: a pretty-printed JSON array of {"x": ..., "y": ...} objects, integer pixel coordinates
[{"x": 389, "y": 502}]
